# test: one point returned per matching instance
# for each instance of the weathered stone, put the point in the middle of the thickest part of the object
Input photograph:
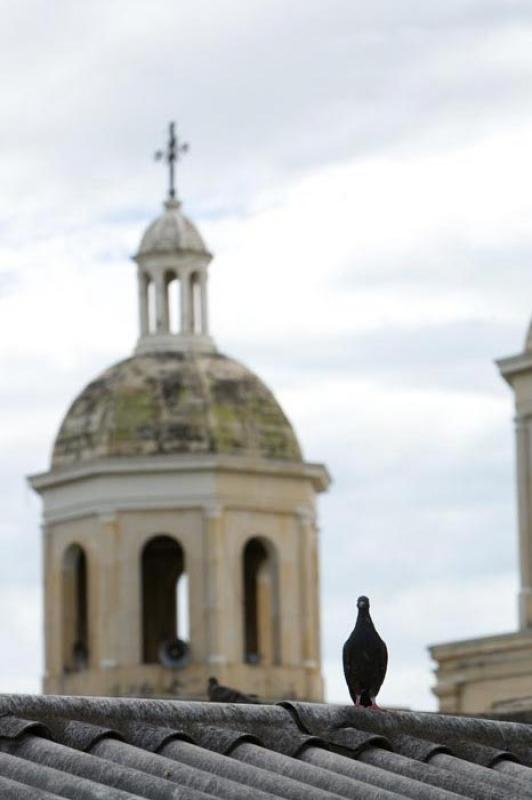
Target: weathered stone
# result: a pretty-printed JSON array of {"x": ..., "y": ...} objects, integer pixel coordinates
[
  {"x": 170, "y": 232},
  {"x": 169, "y": 403}
]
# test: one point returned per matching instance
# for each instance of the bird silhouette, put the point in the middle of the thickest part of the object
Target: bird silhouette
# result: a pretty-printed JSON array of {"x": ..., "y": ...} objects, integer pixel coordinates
[
  {"x": 365, "y": 658},
  {"x": 224, "y": 694}
]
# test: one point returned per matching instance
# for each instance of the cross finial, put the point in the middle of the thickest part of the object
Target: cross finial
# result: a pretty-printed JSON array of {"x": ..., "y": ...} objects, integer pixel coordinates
[{"x": 174, "y": 150}]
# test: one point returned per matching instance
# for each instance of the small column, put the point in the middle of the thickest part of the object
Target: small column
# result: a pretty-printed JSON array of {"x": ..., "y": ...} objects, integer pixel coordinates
[
  {"x": 143, "y": 303},
  {"x": 524, "y": 491},
  {"x": 184, "y": 279},
  {"x": 191, "y": 304},
  {"x": 204, "y": 307},
  {"x": 161, "y": 304}
]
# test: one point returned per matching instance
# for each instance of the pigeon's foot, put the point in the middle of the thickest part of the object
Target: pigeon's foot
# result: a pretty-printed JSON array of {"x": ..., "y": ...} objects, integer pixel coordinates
[{"x": 361, "y": 701}]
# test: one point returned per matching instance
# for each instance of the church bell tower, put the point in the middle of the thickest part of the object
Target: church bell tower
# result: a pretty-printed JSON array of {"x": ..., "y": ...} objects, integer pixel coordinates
[{"x": 179, "y": 517}]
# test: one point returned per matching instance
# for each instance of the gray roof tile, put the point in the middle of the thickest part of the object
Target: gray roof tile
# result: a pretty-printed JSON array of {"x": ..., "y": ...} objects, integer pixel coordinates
[{"x": 125, "y": 749}]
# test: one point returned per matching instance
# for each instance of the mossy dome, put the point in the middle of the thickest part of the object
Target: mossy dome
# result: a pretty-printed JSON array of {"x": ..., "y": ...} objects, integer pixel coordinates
[{"x": 175, "y": 403}]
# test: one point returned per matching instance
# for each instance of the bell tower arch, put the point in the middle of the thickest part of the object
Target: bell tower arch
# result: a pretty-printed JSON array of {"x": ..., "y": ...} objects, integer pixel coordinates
[{"x": 179, "y": 517}]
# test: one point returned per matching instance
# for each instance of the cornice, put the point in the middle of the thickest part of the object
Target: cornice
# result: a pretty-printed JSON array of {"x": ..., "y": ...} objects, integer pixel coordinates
[
  {"x": 513, "y": 365},
  {"x": 149, "y": 466}
]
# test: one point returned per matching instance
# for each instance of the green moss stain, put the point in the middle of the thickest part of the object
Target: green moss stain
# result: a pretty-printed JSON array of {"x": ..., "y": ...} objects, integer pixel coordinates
[
  {"x": 134, "y": 413},
  {"x": 226, "y": 428},
  {"x": 246, "y": 417}
]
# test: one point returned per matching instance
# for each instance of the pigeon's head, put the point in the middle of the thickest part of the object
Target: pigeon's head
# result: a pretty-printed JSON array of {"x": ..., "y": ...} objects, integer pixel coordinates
[
  {"x": 212, "y": 683},
  {"x": 363, "y": 603}
]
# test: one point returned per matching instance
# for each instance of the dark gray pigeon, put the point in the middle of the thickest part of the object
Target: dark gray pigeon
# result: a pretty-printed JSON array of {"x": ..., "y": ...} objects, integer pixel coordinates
[
  {"x": 223, "y": 694},
  {"x": 365, "y": 659}
]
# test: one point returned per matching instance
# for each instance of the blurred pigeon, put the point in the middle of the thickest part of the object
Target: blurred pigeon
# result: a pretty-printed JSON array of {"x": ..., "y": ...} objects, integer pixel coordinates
[
  {"x": 365, "y": 659},
  {"x": 223, "y": 694}
]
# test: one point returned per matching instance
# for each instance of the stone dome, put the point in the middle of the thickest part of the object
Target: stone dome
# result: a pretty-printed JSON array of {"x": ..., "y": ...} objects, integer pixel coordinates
[
  {"x": 172, "y": 232},
  {"x": 174, "y": 403}
]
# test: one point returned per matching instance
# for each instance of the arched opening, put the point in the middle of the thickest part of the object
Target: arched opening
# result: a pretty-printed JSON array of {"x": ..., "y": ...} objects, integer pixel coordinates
[
  {"x": 173, "y": 293},
  {"x": 261, "y": 603},
  {"x": 164, "y": 599},
  {"x": 75, "y": 610},
  {"x": 152, "y": 308}
]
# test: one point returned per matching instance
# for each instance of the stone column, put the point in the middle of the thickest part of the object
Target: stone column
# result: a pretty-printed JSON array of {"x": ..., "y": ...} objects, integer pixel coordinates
[
  {"x": 161, "y": 303},
  {"x": 524, "y": 491},
  {"x": 204, "y": 306},
  {"x": 143, "y": 303},
  {"x": 214, "y": 585},
  {"x": 191, "y": 303},
  {"x": 185, "y": 301}
]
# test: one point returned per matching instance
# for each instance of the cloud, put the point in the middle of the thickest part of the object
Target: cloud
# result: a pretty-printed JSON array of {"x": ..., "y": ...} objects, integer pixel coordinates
[{"x": 344, "y": 81}]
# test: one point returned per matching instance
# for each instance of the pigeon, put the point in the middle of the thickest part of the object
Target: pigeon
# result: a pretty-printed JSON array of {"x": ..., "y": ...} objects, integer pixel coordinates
[
  {"x": 365, "y": 659},
  {"x": 224, "y": 694}
]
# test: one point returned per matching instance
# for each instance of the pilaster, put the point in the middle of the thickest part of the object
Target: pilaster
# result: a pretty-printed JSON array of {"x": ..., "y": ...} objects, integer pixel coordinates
[
  {"x": 114, "y": 629},
  {"x": 52, "y": 578},
  {"x": 309, "y": 595},
  {"x": 524, "y": 497},
  {"x": 215, "y": 616}
]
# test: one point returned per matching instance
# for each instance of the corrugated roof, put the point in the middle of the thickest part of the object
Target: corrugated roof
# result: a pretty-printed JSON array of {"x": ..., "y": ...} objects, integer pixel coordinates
[{"x": 125, "y": 749}]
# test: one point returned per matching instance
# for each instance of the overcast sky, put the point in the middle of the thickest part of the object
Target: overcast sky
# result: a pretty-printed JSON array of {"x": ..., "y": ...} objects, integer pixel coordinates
[{"x": 362, "y": 172}]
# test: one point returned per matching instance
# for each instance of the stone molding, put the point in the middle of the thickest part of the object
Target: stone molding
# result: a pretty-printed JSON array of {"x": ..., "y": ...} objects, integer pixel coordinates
[{"x": 317, "y": 473}]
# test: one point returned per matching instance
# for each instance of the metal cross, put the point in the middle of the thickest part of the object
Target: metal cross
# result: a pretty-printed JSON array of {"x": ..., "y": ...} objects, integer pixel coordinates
[{"x": 171, "y": 155}]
